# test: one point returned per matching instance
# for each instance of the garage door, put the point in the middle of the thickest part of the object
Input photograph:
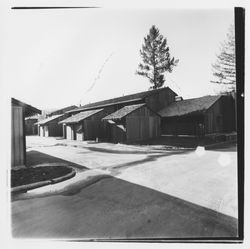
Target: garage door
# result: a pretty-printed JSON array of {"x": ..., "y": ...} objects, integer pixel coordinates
[
  {"x": 41, "y": 131},
  {"x": 46, "y": 131}
]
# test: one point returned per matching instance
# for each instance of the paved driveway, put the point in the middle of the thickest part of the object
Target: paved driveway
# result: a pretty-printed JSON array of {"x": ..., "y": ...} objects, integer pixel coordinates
[{"x": 150, "y": 193}]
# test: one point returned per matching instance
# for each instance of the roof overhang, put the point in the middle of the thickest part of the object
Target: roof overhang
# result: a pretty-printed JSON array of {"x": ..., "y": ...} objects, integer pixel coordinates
[
  {"x": 28, "y": 109},
  {"x": 69, "y": 121},
  {"x": 102, "y": 106},
  {"x": 49, "y": 119}
]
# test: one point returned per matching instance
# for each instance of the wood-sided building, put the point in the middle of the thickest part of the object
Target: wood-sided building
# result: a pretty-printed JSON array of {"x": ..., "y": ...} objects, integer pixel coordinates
[
  {"x": 49, "y": 127},
  {"x": 30, "y": 124},
  {"x": 86, "y": 125},
  {"x": 61, "y": 111},
  {"x": 199, "y": 116},
  {"x": 19, "y": 111},
  {"x": 154, "y": 99},
  {"x": 132, "y": 123}
]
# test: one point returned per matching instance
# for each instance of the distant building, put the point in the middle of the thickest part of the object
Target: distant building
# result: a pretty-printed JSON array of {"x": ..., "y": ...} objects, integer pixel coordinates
[
  {"x": 199, "y": 116},
  {"x": 19, "y": 111},
  {"x": 145, "y": 115},
  {"x": 61, "y": 111},
  {"x": 154, "y": 99},
  {"x": 86, "y": 125},
  {"x": 148, "y": 102},
  {"x": 30, "y": 124},
  {"x": 50, "y": 126}
]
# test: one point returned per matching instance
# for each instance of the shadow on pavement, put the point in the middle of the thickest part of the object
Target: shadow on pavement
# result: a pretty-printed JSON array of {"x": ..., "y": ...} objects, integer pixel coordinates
[
  {"x": 114, "y": 208},
  {"x": 34, "y": 157},
  {"x": 117, "y": 209},
  {"x": 149, "y": 158},
  {"x": 105, "y": 150}
]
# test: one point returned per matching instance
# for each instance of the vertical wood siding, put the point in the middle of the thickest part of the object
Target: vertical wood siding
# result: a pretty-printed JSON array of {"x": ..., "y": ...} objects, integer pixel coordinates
[
  {"x": 142, "y": 124},
  {"x": 160, "y": 100},
  {"x": 64, "y": 131},
  {"x": 55, "y": 129},
  {"x": 18, "y": 136},
  {"x": 117, "y": 135},
  {"x": 52, "y": 129},
  {"x": 214, "y": 118},
  {"x": 142, "y": 128},
  {"x": 221, "y": 116},
  {"x": 183, "y": 125},
  {"x": 228, "y": 113},
  {"x": 93, "y": 127},
  {"x": 30, "y": 127}
]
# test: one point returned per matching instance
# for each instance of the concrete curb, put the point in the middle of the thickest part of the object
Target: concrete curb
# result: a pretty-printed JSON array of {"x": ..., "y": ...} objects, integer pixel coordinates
[
  {"x": 63, "y": 178},
  {"x": 211, "y": 146},
  {"x": 24, "y": 188}
]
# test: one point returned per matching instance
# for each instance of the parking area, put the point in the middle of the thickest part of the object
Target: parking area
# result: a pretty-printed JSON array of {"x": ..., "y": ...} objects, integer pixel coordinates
[{"x": 190, "y": 188}]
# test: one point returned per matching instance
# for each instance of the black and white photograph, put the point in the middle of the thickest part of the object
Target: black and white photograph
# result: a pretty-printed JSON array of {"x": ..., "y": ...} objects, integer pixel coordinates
[{"x": 125, "y": 124}]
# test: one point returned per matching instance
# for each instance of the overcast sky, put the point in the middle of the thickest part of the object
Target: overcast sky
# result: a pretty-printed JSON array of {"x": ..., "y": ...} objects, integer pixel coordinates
[{"x": 52, "y": 58}]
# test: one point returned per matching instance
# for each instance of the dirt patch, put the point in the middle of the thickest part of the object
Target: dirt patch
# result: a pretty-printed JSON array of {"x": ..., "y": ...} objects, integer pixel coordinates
[{"x": 32, "y": 175}]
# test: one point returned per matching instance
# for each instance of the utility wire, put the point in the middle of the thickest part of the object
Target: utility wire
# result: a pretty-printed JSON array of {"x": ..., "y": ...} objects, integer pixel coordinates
[{"x": 98, "y": 76}]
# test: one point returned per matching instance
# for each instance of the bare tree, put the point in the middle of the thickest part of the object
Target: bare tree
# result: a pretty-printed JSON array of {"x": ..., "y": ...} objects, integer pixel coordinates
[{"x": 224, "y": 70}]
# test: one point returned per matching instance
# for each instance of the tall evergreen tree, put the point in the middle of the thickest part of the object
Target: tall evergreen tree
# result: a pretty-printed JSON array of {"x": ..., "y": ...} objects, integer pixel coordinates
[
  {"x": 224, "y": 70},
  {"x": 156, "y": 58}
]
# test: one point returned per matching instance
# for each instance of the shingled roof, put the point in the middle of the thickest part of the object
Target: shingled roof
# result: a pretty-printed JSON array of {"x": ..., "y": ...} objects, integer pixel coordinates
[
  {"x": 123, "y": 112},
  {"x": 80, "y": 116},
  {"x": 49, "y": 119},
  {"x": 124, "y": 99},
  {"x": 189, "y": 106},
  {"x": 36, "y": 116}
]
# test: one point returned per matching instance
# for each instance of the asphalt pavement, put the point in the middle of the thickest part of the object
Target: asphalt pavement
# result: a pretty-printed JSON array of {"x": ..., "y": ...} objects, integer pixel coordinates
[{"x": 118, "y": 193}]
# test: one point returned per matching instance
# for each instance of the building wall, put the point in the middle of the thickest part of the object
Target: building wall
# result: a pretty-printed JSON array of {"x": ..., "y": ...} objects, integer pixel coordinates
[
  {"x": 220, "y": 117},
  {"x": 116, "y": 107},
  {"x": 51, "y": 129},
  {"x": 183, "y": 125},
  {"x": 62, "y": 111},
  {"x": 55, "y": 129},
  {"x": 90, "y": 128},
  {"x": 30, "y": 127},
  {"x": 142, "y": 124},
  {"x": 93, "y": 127},
  {"x": 17, "y": 137},
  {"x": 74, "y": 132},
  {"x": 213, "y": 119},
  {"x": 228, "y": 113},
  {"x": 117, "y": 134},
  {"x": 161, "y": 99}
]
